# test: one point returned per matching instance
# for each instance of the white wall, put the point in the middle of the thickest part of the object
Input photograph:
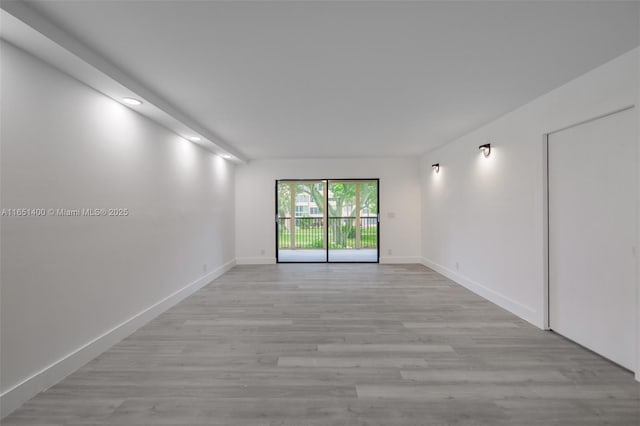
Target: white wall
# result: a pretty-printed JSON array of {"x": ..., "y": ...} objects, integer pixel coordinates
[
  {"x": 67, "y": 281},
  {"x": 399, "y": 195},
  {"x": 638, "y": 236},
  {"x": 487, "y": 214}
]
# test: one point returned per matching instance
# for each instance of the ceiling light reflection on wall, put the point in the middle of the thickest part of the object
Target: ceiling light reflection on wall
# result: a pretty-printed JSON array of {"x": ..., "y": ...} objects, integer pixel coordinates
[
  {"x": 486, "y": 149},
  {"x": 132, "y": 101},
  {"x": 436, "y": 167}
]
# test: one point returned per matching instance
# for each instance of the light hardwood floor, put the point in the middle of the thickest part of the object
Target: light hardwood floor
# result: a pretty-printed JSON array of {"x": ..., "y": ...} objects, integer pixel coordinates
[{"x": 339, "y": 345}]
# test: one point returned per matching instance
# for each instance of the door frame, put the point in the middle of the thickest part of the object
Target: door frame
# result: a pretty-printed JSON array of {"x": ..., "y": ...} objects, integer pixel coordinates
[
  {"x": 326, "y": 217},
  {"x": 546, "y": 233},
  {"x": 546, "y": 230}
]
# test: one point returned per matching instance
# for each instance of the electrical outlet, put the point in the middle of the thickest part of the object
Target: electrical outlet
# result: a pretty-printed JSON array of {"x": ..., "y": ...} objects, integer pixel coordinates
[
  {"x": 262, "y": 252},
  {"x": 457, "y": 266},
  {"x": 389, "y": 251},
  {"x": 204, "y": 267}
]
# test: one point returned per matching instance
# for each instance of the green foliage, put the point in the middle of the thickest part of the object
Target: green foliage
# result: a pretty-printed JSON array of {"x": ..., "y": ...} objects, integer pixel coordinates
[
  {"x": 284, "y": 199},
  {"x": 348, "y": 231}
]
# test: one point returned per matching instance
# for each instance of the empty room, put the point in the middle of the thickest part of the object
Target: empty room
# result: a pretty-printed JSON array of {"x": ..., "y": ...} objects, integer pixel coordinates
[{"x": 297, "y": 213}]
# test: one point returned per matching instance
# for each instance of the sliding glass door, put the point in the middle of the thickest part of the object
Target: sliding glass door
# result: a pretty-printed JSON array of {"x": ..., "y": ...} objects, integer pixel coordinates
[
  {"x": 353, "y": 221},
  {"x": 300, "y": 227},
  {"x": 327, "y": 220}
]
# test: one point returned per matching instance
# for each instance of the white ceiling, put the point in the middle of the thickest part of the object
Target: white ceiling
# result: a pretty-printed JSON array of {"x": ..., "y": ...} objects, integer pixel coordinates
[{"x": 348, "y": 79}]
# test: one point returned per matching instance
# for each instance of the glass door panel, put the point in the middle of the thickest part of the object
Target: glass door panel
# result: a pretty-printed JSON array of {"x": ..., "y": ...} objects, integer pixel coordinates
[
  {"x": 352, "y": 217},
  {"x": 300, "y": 221}
]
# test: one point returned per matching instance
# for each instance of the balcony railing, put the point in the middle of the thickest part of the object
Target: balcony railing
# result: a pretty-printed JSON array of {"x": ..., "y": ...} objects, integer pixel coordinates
[
  {"x": 301, "y": 233},
  {"x": 344, "y": 233}
]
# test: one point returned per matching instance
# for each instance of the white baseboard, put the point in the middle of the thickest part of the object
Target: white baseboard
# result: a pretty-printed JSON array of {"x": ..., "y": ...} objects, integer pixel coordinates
[
  {"x": 400, "y": 259},
  {"x": 20, "y": 393},
  {"x": 516, "y": 308},
  {"x": 255, "y": 261}
]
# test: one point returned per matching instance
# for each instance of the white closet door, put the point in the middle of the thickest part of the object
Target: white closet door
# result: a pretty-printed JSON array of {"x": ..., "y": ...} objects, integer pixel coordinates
[{"x": 592, "y": 235}]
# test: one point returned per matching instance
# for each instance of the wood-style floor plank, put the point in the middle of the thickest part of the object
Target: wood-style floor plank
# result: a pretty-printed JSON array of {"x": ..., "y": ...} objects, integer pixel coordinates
[{"x": 352, "y": 344}]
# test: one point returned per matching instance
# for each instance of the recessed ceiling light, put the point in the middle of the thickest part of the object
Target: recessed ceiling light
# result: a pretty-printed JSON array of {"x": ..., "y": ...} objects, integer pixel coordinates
[
  {"x": 131, "y": 101},
  {"x": 194, "y": 139}
]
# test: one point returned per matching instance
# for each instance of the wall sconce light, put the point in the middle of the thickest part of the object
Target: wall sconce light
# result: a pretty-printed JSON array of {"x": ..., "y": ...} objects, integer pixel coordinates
[
  {"x": 486, "y": 149},
  {"x": 436, "y": 167}
]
